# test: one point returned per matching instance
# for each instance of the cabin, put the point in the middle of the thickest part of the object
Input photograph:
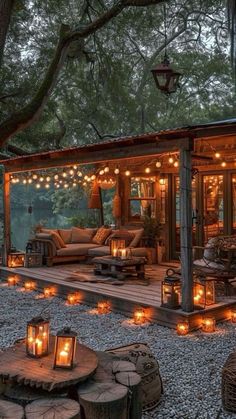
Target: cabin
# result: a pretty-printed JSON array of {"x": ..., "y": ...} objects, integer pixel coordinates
[{"x": 183, "y": 178}]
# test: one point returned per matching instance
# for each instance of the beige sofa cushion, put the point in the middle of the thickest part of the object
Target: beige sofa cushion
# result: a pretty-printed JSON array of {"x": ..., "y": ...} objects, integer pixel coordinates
[
  {"x": 59, "y": 243},
  {"x": 82, "y": 235},
  {"x": 99, "y": 251},
  {"x": 65, "y": 235},
  {"x": 76, "y": 249},
  {"x": 101, "y": 235}
]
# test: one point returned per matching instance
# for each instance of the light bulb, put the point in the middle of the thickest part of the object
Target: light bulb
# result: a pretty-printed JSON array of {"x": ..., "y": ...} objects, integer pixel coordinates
[
  {"x": 106, "y": 170},
  {"x": 47, "y": 186},
  {"x": 75, "y": 167},
  {"x": 48, "y": 178},
  {"x": 223, "y": 164},
  {"x": 35, "y": 176},
  {"x": 64, "y": 174},
  {"x": 93, "y": 177},
  {"x": 158, "y": 164},
  {"x": 41, "y": 179},
  {"x": 30, "y": 180},
  {"x": 17, "y": 180},
  {"x": 56, "y": 177},
  {"x": 38, "y": 185},
  {"x": 117, "y": 171},
  {"x": 24, "y": 181},
  {"x": 176, "y": 163},
  {"x": 171, "y": 160},
  {"x": 217, "y": 155},
  {"x": 79, "y": 174},
  {"x": 162, "y": 181},
  {"x": 71, "y": 172},
  {"x": 101, "y": 172},
  {"x": 74, "y": 184},
  {"x": 66, "y": 185},
  {"x": 85, "y": 177},
  {"x": 147, "y": 170},
  {"x": 127, "y": 173}
]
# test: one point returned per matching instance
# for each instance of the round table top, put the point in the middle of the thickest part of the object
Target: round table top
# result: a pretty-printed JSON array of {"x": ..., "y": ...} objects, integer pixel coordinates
[{"x": 39, "y": 372}]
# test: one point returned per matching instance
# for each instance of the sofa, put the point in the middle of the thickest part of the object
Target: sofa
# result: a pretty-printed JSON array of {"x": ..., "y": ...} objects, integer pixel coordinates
[{"x": 78, "y": 244}]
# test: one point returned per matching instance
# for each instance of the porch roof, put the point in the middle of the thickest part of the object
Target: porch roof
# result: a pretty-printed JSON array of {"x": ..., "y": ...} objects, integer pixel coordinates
[{"x": 121, "y": 147}]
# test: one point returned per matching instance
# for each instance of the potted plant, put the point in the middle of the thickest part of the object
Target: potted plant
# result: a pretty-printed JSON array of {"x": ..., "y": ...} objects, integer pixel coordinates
[{"x": 151, "y": 238}]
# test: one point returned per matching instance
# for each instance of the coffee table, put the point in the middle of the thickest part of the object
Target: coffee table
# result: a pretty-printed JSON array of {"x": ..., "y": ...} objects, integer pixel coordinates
[{"x": 120, "y": 268}]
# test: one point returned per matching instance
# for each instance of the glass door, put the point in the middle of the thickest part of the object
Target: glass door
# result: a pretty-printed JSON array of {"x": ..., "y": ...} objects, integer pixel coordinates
[{"x": 213, "y": 206}]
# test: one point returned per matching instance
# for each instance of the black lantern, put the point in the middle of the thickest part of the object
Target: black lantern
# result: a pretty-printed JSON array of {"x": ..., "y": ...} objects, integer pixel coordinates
[
  {"x": 37, "y": 338},
  {"x": 65, "y": 347},
  {"x": 167, "y": 79},
  {"x": 171, "y": 292}
]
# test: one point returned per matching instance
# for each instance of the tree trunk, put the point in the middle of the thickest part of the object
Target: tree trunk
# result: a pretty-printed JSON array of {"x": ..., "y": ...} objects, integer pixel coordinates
[
  {"x": 53, "y": 408},
  {"x": 6, "y": 7},
  {"x": 11, "y": 410}
]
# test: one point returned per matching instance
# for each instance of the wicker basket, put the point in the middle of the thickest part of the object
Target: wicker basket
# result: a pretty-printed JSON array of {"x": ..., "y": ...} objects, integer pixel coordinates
[
  {"x": 33, "y": 260},
  {"x": 228, "y": 385}
]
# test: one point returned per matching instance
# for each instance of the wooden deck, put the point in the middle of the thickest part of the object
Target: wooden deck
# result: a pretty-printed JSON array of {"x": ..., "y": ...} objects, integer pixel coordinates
[{"x": 123, "y": 299}]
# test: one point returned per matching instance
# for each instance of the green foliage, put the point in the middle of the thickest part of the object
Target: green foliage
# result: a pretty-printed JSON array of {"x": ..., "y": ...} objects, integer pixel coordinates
[{"x": 151, "y": 229}]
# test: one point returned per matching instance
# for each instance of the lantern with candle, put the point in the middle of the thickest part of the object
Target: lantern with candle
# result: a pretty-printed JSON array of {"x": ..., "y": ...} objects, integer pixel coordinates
[
  {"x": 120, "y": 240},
  {"x": 73, "y": 298},
  {"x": 203, "y": 293},
  {"x": 103, "y": 307},
  {"x": 124, "y": 254},
  {"x": 29, "y": 285},
  {"x": 182, "y": 328},
  {"x": 37, "y": 338},
  {"x": 49, "y": 292},
  {"x": 15, "y": 260},
  {"x": 209, "y": 325},
  {"x": 233, "y": 316},
  {"x": 65, "y": 347},
  {"x": 139, "y": 316},
  {"x": 12, "y": 280},
  {"x": 171, "y": 292}
]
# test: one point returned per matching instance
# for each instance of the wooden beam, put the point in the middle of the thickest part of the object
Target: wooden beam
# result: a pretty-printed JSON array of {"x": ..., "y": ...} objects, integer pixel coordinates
[
  {"x": 89, "y": 155},
  {"x": 6, "y": 218},
  {"x": 186, "y": 229}
]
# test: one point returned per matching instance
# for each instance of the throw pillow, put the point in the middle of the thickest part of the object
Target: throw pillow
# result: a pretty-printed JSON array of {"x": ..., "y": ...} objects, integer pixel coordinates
[
  {"x": 101, "y": 235},
  {"x": 59, "y": 243},
  {"x": 147, "y": 367},
  {"x": 65, "y": 235},
  {"x": 137, "y": 237},
  {"x": 82, "y": 235}
]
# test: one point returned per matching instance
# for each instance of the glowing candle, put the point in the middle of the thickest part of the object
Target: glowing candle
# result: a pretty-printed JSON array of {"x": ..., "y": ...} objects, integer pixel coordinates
[
  {"x": 29, "y": 285},
  {"x": 12, "y": 281},
  {"x": 182, "y": 328},
  {"x": 208, "y": 325},
  {"x": 103, "y": 307},
  {"x": 63, "y": 358},
  {"x": 39, "y": 346},
  {"x": 139, "y": 316}
]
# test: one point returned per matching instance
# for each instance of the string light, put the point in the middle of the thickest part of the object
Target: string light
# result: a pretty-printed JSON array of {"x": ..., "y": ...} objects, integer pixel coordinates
[
  {"x": 79, "y": 174},
  {"x": 38, "y": 185},
  {"x": 106, "y": 169},
  {"x": 48, "y": 178},
  {"x": 35, "y": 176},
  {"x": 47, "y": 186},
  {"x": 158, "y": 164},
  {"x": 101, "y": 172},
  {"x": 71, "y": 172},
  {"x": 217, "y": 155},
  {"x": 93, "y": 177},
  {"x": 176, "y": 163},
  {"x": 223, "y": 164},
  {"x": 64, "y": 174},
  {"x": 41, "y": 179},
  {"x": 127, "y": 173},
  {"x": 147, "y": 170},
  {"x": 75, "y": 166},
  {"x": 30, "y": 180},
  {"x": 56, "y": 177},
  {"x": 66, "y": 185},
  {"x": 24, "y": 181},
  {"x": 117, "y": 171},
  {"x": 171, "y": 160}
]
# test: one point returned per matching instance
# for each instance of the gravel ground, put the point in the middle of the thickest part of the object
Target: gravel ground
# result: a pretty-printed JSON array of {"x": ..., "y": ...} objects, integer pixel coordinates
[{"x": 190, "y": 365}]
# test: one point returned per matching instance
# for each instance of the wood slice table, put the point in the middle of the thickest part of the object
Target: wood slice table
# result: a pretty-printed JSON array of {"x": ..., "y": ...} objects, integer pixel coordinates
[
  {"x": 120, "y": 268},
  {"x": 17, "y": 366}
]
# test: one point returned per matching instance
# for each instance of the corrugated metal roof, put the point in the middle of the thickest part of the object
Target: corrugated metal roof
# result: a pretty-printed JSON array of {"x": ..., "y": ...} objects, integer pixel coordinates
[{"x": 141, "y": 138}]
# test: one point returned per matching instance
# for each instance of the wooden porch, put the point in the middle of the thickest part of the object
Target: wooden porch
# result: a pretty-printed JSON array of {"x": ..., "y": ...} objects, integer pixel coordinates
[{"x": 123, "y": 299}]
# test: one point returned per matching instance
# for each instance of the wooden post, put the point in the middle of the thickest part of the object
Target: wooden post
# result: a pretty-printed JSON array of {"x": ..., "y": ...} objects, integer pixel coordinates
[
  {"x": 101, "y": 210},
  {"x": 6, "y": 217},
  {"x": 186, "y": 226}
]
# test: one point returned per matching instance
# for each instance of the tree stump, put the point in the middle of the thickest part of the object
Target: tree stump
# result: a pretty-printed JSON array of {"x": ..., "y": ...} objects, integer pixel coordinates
[
  {"x": 26, "y": 394},
  {"x": 103, "y": 400},
  {"x": 9, "y": 410},
  {"x": 133, "y": 381},
  {"x": 53, "y": 408}
]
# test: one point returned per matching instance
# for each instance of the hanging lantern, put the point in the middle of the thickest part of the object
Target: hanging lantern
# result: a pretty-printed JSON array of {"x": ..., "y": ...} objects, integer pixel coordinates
[
  {"x": 166, "y": 79},
  {"x": 37, "y": 337},
  {"x": 106, "y": 182},
  {"x": 171, "y": 292},
  {"x": 65, "y": 347}
]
